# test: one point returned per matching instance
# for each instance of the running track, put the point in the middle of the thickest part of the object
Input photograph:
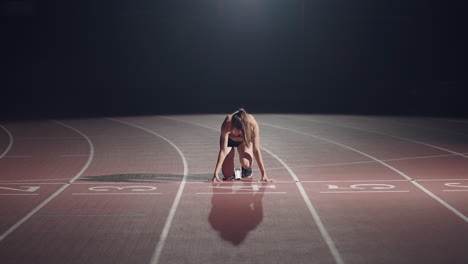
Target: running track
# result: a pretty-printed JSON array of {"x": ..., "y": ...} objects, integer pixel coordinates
[{"x": 349, "y": 189}]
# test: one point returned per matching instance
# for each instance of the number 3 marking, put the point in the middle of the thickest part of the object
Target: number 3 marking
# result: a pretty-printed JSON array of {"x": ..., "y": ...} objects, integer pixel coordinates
[{"x": 455, "y": 184}]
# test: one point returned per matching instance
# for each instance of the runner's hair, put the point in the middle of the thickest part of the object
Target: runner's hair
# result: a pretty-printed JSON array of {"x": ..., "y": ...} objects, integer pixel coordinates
[{"x": 240, "y": 120}]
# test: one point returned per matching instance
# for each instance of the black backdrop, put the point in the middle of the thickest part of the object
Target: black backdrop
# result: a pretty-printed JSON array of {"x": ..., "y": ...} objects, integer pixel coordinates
[{"x": 91, "y": 58}]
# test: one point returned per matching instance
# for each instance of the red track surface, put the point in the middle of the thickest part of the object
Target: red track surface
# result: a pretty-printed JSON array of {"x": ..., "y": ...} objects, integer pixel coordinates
[{"x": 348, "y": 189}]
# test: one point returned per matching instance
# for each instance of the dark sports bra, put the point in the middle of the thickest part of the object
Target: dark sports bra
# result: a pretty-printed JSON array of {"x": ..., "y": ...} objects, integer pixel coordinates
[{"x": 234, "y": 143}]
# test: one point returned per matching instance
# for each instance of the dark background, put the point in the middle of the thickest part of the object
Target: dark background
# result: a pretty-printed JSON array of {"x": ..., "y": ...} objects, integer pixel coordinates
[{"x": 94, "y": 58}]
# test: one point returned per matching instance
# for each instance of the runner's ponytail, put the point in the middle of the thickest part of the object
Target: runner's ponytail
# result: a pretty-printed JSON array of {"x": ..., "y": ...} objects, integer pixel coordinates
[{"x": 240, "y": 120}]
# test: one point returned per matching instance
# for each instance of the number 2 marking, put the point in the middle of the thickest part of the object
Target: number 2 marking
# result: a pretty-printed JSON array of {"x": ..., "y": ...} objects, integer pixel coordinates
[
  {"x": 131, "y": 188},
  {"x": 28, "y": 188}
]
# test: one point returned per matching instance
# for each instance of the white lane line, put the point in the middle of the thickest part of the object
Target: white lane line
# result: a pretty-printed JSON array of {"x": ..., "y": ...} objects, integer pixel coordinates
[
  {"x": 455, "y": 190},
  {"x": 344, "y": 146},
  {"x": 365, "y": 162},
  {"x": 237, "y": 193},
  {"x": 367, "y": 192},
  {"x": 358, "y": 181},
  {"x": 113, "y": 193},
  {"x": 8, "y": 194},
  {"x": 87, "y": 215},
  {"x": 10, "y": 142},
  {"x": 445, "y": 131},
  {"x": 167, "y": 226},
  {"x": 442, "y": 180},
  {"x": 59, "y": 191},
  {"x": 331, "y": 245},
  {"x": 448, "y": 206},
  {"x": 388, "y": 135},
  {"x": 36, "y": 180},
  {"x": 455, "y": 211},
  {"x": 323, "y": 231}
]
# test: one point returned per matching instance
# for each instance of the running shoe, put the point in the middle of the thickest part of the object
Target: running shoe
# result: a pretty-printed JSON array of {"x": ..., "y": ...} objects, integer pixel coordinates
[{"x": 247, "y": 173}]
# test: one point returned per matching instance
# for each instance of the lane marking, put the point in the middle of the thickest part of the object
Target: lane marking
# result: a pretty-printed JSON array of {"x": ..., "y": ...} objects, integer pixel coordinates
[
  {"x": 344, "y": 146},
  {"x": 359, "y": 181},
  {"x": 449, "y": 207},
  {"x": 7, "y": 194},
  {"x": 59, "y": 191},
  {"x": 167, "y": 225},
  {"x": 388, "y": 135},
  {"x": 443, "y": 180},
  {"x": 456, "y": 185},
  {"x": 236, "y": 193},
  {"x": 28, "y": 188},
  {"x": 323, "y": 231},
  {"x": 455, "y": 190},
  {"x": 10, "y": 142},
  {"x": 366, "y": 192},
  {"x": 331, "y": 245},
  {"x": 87, "y": 215},
  {"x": 365, "y": 162},
  {"x": 18, "y": 156},
  {"x": 113, "y": 193},
  {"x": 30, "y": 182}
]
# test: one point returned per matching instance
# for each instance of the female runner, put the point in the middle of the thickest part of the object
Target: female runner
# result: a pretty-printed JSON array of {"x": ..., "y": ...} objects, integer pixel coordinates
[{"x": 239, "y": 130}]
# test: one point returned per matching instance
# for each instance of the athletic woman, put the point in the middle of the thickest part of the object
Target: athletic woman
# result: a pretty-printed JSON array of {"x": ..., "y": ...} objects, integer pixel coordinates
[{"x": 239, "y": 130}]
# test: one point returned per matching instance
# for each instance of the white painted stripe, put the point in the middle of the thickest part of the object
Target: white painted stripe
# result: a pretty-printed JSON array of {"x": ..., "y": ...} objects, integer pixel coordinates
[
  {"x": 383, "y": 163},
  {"x": 331, "y": 245},
  {"x": 113, "y": 193},
  {"x": 448, "y": 206},
  {"x": 59, "y": 191},
  {"x": 323, "y": 231},
  {"x": 167, "y": 225},
  {"x": 442, "y": 180},
  {"x": 360, "y": 181},
  {"x": 455, "y": 190},
  {"x": 388, "y": 135},
  {"x": 88, "y": 215},
  {"x": 36, "y": 180},
  {"x": 364, "y": 162},
  {"x": 237, "y": 193},
  {"x": 7, "y": 194},
  {"x": 344, "y": 146},
  {"x": 10, "y": 142},
  {"x": 367, "y": 192}
]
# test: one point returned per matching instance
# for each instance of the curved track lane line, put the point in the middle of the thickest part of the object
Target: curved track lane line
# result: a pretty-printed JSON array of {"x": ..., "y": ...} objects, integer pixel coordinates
[
  {"x": 59, "y": 191},
  {"x": 445, "y": 204},
  {"x": 344, "y": 146},
  {"x": 167, "y": 226},
  {"x": 323, "y": 231},
  {"x": 10, "y": 136},
  {"x": 387, "y": 135}
]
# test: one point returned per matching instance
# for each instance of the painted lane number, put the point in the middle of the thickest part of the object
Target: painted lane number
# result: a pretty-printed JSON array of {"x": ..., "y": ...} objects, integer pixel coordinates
[
  {"x": 21, "y": 189},
  {"x": 118, "y": 188},
  {"x": 363, "y": 187},
  {"x": 456, "y": 187}
]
